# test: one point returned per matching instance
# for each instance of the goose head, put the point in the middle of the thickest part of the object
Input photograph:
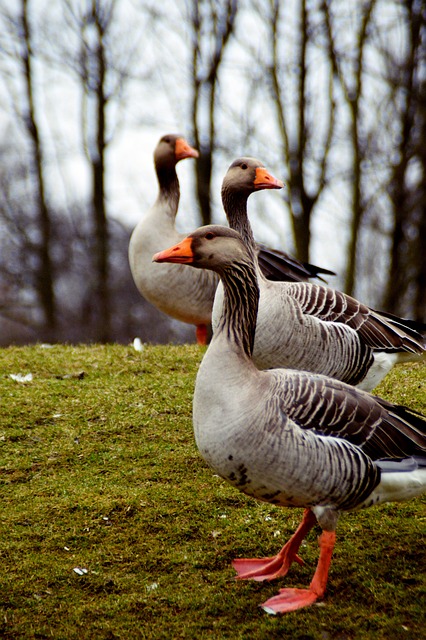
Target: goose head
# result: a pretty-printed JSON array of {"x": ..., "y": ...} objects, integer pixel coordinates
[
  {"x": 170, "y": 149},
  {"x": 211, "y": 247},
  {"x": 247, "y": 175},
  {"x": 223, "y": 250}
]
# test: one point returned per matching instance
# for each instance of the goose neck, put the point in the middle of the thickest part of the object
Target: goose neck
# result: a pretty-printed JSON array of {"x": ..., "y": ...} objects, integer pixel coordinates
[
  {"x": 169, "y": 190},
  {"x": 235, "y": 206},
  {"x": 240, "y": 304}
]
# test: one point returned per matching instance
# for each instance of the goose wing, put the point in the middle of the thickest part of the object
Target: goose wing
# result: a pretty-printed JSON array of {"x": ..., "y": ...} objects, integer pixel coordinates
[
  {"x": 331, "y": 408},
  {"x": 416, "y": 328},
  {"x": 280, "y": 266},
  {"x": 378, "y": 331}
]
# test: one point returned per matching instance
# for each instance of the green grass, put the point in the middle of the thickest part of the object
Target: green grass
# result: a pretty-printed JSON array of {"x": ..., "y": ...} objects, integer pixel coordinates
[{"x": 99, "y": 470}]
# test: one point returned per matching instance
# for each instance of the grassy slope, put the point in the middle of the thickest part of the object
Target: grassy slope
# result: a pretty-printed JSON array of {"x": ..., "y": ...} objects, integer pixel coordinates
[{"x": 101, "y": 472}]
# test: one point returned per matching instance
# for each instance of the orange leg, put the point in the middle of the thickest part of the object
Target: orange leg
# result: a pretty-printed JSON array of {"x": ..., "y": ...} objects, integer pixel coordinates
[
  {"x": 270, "y": 568},
  {"x": 201, "y": 334},
  {"x": 292, "y": 599}
]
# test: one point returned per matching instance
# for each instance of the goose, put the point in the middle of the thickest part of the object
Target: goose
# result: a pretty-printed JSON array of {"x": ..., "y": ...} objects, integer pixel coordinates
[
  {"x": 288, "y": 437},
  {"x": 183, "y": 295},
  {"x": 187, "y": 297},
  {"x": 309, "y": 326}
]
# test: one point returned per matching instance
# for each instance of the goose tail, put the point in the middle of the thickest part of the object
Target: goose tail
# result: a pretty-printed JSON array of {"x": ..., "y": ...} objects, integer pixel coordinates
[
  {"x": 400, "y": 480},
  {"x": 408, "y": 335}
]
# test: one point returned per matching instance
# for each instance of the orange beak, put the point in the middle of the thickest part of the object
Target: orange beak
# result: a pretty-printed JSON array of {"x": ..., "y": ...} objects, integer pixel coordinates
[
  {"x": 181, "y": 253},
  {"x": 184, "y": 150},
  {"x": 264, "y": 180}
]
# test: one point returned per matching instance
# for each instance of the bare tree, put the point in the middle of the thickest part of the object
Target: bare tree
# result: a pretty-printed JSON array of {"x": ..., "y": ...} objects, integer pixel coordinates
[
  {"x": 94, "y": 294},
  {"x": 18, "y": 255},
  {"x": 363, "y": 71},
  {"x": 19, "y": 48},
  {"x": 93, "y": 74},
  {"x": 308, "y": 114},
  {"x": 303, "y": 145},
  {"x": 212, "y": 24},
  {"x": 352, "y": 90},
  {"x": 102, "y": 64},
  {"x": 330, "y": 90},
  {"x": 407, "y": 191},
  {"x": 92, "y": 21}
]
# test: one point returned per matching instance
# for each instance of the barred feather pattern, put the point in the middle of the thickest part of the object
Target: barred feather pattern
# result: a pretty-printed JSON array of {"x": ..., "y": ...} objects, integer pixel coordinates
[
  {"x": 264, "y": 453},
  {"x": 377, "y": 331},
  {"x": 285, "y": 436},
  {"x": 239, "y": 321},
  {"x": 235, "y": 206},
  {"x": 331, "y": 408},
  {"x": 287, "y": 337}
]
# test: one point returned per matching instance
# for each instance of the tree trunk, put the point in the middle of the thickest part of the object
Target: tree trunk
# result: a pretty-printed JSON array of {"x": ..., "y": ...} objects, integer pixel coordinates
[
  {"x": 407, "y": 271},
  {"x": 205, "y": 74},
  {"x": 357, "y": 210},
  {"x": 99, "y": 210},
  {"x": 44, "y": 274}
]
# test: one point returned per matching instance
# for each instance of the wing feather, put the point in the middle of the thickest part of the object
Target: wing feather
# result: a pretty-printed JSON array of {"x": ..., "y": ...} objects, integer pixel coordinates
[
  {"x": 331, "y": 408},
  {"x": 379, "y": 331},
  {"x": 280, "y": 266}
]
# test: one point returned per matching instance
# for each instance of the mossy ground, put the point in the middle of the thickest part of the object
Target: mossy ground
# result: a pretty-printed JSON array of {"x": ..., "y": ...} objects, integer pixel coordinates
[{"x": 99, "y": 471}]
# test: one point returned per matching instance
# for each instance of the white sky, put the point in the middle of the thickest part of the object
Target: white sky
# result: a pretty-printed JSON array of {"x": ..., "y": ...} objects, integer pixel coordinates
[{"x": 161, "y": 106}]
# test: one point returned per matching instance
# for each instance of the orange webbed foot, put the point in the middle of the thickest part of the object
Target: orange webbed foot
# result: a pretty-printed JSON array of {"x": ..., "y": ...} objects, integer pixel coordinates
[
  {"x": 276, "y": 567},
  {"x": 264, "y": 568},
  {"x": 289, "y": 600}
]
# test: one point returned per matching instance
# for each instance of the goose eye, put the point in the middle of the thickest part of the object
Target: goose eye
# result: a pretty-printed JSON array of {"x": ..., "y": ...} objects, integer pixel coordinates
[
  {"x": 244, "y": 166},
  {"x": 209, "y": 236}
]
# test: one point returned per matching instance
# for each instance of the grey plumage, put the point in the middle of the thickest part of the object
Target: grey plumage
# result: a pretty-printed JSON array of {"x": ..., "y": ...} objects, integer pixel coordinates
[
  {"x": 290, "y": 437},
  {"x": 329, "y": 417},
  {"x": 182, "y": 294},
  {"x": 309, "y": 326}
]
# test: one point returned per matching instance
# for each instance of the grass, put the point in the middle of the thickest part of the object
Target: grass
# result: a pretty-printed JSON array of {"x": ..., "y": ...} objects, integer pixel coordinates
[{"x": 99, "y": 471}]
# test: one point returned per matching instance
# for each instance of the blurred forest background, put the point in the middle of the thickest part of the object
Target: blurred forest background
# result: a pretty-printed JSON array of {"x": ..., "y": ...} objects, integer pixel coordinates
[{"x": 330, "y": 94}]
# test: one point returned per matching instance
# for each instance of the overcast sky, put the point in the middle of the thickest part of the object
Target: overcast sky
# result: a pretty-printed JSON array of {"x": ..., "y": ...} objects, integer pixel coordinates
[{"x": 160, "y": 105}]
